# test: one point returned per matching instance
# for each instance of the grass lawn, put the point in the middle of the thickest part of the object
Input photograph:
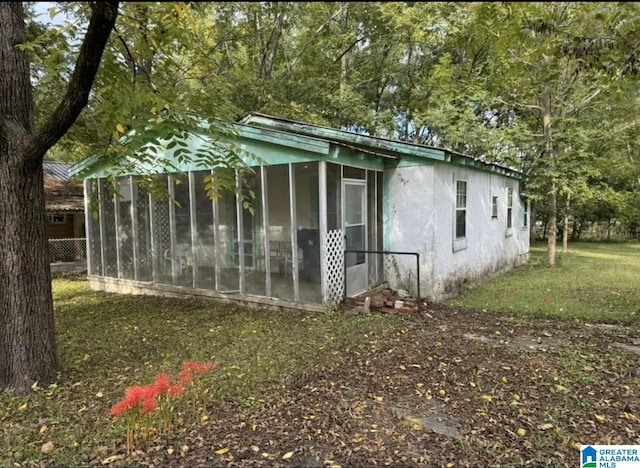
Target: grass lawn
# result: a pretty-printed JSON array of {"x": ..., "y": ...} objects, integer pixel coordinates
[
  {"x": 461, "y": 386},
  {"x": 593, "y": 281}
]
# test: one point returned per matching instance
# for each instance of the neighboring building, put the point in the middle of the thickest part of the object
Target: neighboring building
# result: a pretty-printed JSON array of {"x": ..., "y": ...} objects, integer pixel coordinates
[
  {"x": 465, "y": 218},
  {"x": 64, "y": 202},
  {"x": 64, "y": 205}
]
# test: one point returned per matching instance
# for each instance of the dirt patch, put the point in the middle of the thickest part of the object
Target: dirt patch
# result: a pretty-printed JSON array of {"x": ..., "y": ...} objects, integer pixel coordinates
[
  {"x": 627, "y": 347},
  {"x": 455, "y": 387},
  {"x": 435, "y": 419}
]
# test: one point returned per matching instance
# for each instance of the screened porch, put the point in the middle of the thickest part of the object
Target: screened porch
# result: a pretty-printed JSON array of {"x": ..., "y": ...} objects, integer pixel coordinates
[{"x": 273, "y": 248}]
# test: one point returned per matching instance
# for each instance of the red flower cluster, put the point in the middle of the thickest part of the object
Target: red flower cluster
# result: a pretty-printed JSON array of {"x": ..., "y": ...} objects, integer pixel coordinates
[{"x": 146, "y": 396}]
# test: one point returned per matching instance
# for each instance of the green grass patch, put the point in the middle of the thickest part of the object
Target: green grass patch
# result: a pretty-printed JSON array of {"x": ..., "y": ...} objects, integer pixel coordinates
[
  {"x": 597, "y": 282},
  {"x": 108, "y": 342}
]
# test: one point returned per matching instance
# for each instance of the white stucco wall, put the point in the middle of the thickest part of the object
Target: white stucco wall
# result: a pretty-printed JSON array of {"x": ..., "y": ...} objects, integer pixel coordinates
[
  {"x": 489, "y": 247},
  {"x": 419, "y": 211},
  {"x": 408, "y": 222}
]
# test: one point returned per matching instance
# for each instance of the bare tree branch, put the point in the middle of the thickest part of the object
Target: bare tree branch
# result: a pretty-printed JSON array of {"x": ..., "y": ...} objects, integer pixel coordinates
[{"x": 134, "y": 65}]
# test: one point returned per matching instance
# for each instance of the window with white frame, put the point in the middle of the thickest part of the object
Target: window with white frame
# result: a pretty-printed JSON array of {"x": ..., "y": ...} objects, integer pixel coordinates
[
  {"x": 509, "y": 207},
  {"x": 461, "y": 209},
  {"x": 525, "y": 214},
  {"x": 494, "y": 207}
]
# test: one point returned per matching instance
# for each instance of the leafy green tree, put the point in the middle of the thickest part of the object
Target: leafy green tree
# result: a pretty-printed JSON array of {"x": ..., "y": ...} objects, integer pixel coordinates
[
  {"x": 552, "y": 63},
  {"x": 27, "y": 332},
  {"x": 143, "y": 83}
]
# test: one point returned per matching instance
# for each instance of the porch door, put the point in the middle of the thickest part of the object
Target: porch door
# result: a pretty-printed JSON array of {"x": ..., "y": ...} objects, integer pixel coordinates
[{"x": 355, "y": 229}]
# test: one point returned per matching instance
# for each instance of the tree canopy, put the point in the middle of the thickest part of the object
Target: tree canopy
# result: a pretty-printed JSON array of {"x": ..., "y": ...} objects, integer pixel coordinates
[{"x": 547, "y": 88}]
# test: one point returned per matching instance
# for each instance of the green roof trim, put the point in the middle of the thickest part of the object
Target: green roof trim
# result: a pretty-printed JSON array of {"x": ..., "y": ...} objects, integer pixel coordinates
[
  {"x": 391, "y": 149},
  {"x": 256, "y": 133}
]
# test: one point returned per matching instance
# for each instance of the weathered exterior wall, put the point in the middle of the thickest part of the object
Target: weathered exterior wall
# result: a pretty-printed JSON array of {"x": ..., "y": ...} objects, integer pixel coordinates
[
  {"x": 489, "y": 248},
  {"x": 420, "y": 215},
  {"x": 409, "y": 225}
]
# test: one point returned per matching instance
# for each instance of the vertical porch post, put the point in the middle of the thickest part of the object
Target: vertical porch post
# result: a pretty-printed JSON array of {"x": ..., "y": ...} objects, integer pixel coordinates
[
  {"x": 103, "y": 243},
  {"x": 216, "y": 239},
  {"x": 172, "y": 230},
  {"x": 134, "y": 226},
  {"x": 322, "y": 194},
  {"x": 88, "y": 227},
  {"x": 265, "y": 222},
  {"x": 154, "y": 243},
  {"x": 240, "y": 231},
  {"x": 294, "y": 231},
  {"x": 194, "y": 228},
  {"x": 116, "y": 211}
]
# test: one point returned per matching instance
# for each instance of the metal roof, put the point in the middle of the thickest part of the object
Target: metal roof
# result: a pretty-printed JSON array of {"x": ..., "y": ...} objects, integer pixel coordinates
[
  {"x": 385, "y": 147},
  {"x": 278, "y": 130},
  {"x": 57, "y": 170}
]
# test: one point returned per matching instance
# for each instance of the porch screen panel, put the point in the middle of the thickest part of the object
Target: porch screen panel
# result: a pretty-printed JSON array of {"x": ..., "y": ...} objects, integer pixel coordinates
[
  {"x": 334, "y": 205},
  {"x": 228, "y": 237},
  {"x": 94, "y": 229},
  {"x": 380, "y": 223},
  {"x": 125, "y": 228},
  {"x": 184, "y": 257},
  {"x": 205, "y": 246},
  {"x": 374, "y": 215},
  {"x": 145, "y": 272},
  {"x": 253, "y": 237},
  {"x": 162, "y": 235},
  {"x": 308, "y": 233},
  {"x": 110, "y": 234},
  {"x": 279, "y": 232}
]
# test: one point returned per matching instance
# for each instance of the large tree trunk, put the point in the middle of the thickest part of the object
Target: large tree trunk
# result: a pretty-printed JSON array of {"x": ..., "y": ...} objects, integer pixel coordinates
[
  {"x": 27, "y": 331},
  {"x": 27, "y": 328}
]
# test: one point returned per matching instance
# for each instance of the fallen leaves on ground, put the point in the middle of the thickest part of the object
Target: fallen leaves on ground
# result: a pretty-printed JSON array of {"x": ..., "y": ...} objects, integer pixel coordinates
[{"x": 345, "y": 413}]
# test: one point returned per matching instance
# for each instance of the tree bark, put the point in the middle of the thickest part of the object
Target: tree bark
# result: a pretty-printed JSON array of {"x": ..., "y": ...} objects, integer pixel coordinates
[
  {"x": 28, "y": 348},
  {"x": 271, "y": 48},
  {"x": 565, "y": 231},
  {"x": 27, "y": 331},
  {"x": 533, "y": 218},
  {"x": 551, "y": 200}
]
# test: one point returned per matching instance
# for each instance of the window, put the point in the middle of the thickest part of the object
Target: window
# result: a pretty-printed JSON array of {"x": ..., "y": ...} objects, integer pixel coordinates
[
  {"x": 525, "y": 214},
  {"x": 57, "y": 218},
  {"x": 494, "y": 207},
  {"x": 509, "y": 207},
  {"x": 461, "y": 209}
]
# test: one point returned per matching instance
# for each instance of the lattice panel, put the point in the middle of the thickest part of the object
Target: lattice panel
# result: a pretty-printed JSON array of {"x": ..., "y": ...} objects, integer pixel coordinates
[{"x": 333, "y": 266}]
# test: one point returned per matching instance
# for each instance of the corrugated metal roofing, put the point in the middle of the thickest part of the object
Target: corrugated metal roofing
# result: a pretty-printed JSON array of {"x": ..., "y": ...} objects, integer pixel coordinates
[
  {"x": 379, "y": 146},
  {"x": 57, "y": 170}
]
